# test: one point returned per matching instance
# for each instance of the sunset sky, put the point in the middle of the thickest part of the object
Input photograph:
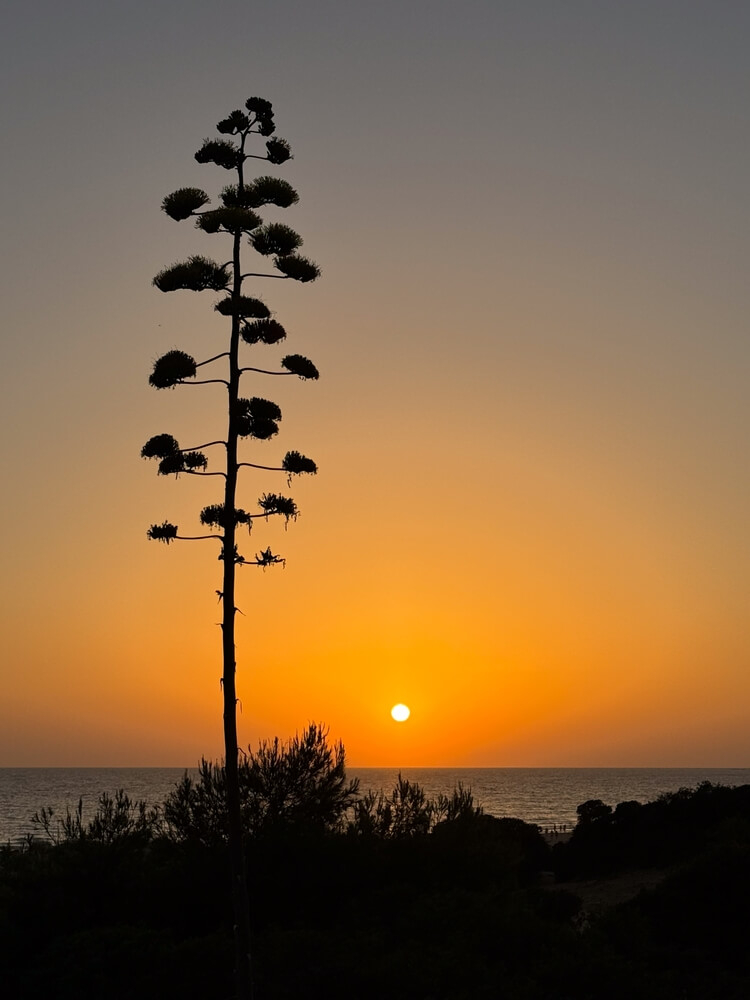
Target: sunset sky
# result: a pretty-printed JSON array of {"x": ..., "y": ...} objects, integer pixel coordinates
[{"x": 530, "y": 523}]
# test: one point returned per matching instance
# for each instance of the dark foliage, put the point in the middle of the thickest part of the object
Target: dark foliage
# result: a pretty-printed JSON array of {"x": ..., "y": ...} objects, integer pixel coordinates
[
  {"x": 593, "y": 811},
  {"x": 160, "y": 446},
  {"x": 181, "y": 204},
  {"x": 278, "y": 151},
  {"x": 262, "y": 331},
  {"x": 262, "y": 408},
  {"x": 299, "y": 786},
  {"x": 222, "y": 152},
  {"x": 653, "y": 834},
  {"x": 268, "y": 558},
  {"x": 228, "y": 220},
  {"x": 242, "y": 306},
  {"x": 117, "y": 818},
  {"x": 275, "y": 238},
  {"x": 274, "y": 503},
  {"x": 298, "y": 268},
  {"x": 183, "y": 461},
  {"x": 296, "y": 464},
  {"x": 236, "y": 122},
  {"x": 132, "y": 903},
  {"x": 257, "y": 418},
  {"x": 164, "y": 532},
  {"x": 215, "y": 516},
  {"x": 260, "y": 428},
  {"x": 232, "y": 198},
  {"x": 406, "y": 812},
  {"x": 195, "y": 275},
  {"x": 263, "y": 114},
  {"x": 171, "y": 465},
  {"x": 171, "y": 368},
  {"x": 194, "y": 460},
  {"x": 270, "y": 191},
  {"x": 299, "y": 365},
  {"x": 260, "y": 107}
]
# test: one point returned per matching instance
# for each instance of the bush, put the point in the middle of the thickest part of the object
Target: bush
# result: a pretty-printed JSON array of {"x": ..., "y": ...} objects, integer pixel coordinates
[
  {"x": 654, "y": 834},
  {"x": 299, "y": 787},
  {"x": 407, "y": 812},
  {"x": 117, "y": 818}
]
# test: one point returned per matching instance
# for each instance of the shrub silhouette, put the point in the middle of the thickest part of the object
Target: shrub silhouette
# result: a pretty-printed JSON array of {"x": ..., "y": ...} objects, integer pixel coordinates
[
  {"x": 453, "y": 913},
  {"x": 298, "y": 786},
  {"x": 117, "y": 817},
  {"x": 407, "y": 812},
  {"x": 657, "y": 833}
]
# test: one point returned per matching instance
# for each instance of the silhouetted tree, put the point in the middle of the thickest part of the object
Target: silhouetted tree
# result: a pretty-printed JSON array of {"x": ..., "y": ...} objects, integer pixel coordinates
[
  {"x": 593, "y": 811},
  {"x": 249, "y": 322},
  {"x": 294, "y": 787}
]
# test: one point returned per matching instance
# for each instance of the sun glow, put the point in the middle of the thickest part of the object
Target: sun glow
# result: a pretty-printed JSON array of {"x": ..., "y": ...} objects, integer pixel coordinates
[{"x": 400, "y": 713}]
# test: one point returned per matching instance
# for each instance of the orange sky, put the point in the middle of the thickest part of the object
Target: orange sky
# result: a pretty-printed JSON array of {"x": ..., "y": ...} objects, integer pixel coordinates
[{"x": 530, "y": 519}]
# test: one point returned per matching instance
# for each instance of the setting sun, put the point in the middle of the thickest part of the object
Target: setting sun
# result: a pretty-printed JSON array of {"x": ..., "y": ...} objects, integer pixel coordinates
[{"x": 400, "y": 713}]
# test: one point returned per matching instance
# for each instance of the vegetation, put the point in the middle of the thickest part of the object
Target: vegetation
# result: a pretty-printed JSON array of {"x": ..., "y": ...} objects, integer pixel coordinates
[
  {"x": 238, "y": 220},
  {"x": 404, "y": 897},
  {"x": 285, "y": 788},
  {"x": 635, "y": 835}
]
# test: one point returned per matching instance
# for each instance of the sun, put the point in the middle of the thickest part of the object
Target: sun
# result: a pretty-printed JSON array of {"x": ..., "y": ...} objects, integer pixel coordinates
[{"x": 400, "y": 712}]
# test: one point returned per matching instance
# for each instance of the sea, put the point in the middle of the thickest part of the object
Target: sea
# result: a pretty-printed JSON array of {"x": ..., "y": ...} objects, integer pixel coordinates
[{"x": 547, "y": 797}]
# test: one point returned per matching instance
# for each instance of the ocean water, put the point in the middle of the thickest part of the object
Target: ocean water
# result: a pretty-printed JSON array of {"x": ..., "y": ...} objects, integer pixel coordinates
[{"x": 546, "y": 796}]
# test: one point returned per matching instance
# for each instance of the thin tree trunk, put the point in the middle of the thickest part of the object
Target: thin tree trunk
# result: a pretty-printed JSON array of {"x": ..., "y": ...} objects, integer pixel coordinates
[{"x": 240, "y": 899}]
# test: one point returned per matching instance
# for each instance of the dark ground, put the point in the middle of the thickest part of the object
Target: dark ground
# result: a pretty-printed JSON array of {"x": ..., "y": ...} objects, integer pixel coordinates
[{"x": 641, "y": 902}]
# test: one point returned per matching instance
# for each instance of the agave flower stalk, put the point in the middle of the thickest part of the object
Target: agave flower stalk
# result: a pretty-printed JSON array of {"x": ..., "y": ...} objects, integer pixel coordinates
[{"x": 248, "y": 417}]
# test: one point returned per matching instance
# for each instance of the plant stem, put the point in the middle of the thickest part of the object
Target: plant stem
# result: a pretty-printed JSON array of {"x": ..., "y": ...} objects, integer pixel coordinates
[{"x": 240, "y": 899}]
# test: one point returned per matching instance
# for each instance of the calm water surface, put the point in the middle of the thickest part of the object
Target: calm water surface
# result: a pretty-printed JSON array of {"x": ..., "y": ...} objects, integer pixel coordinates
[{"x": 540, "y": 795}]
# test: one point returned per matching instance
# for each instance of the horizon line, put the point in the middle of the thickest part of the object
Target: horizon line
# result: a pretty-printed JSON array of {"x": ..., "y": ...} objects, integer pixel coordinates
[{"x": 403, "y": 767}]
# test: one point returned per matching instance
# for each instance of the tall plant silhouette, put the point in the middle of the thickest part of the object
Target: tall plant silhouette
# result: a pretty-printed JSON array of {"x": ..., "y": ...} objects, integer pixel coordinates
[{"x": 253, "y": 418}]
